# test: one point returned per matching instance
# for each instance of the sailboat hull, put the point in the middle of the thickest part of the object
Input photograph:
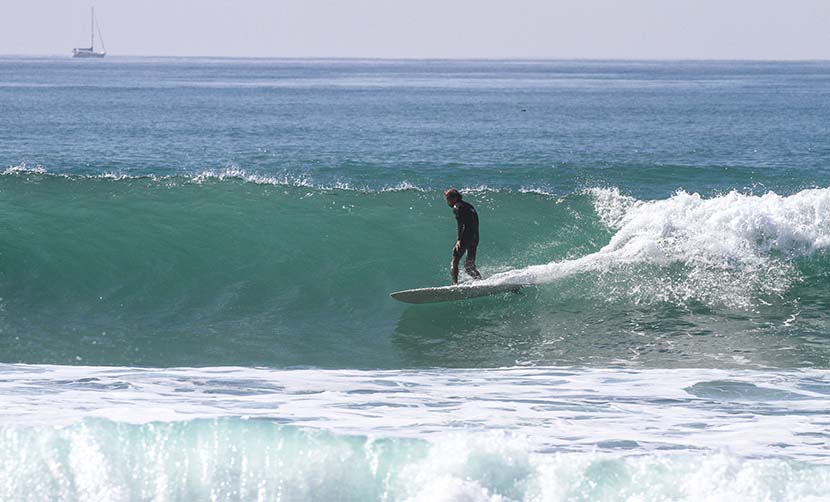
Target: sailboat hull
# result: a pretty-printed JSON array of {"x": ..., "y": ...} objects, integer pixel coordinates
[{"x": 87, "y": 54}]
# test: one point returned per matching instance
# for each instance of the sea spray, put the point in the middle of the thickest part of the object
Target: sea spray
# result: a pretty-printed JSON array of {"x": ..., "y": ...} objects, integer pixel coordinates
[{"x": 731, "y": 250}]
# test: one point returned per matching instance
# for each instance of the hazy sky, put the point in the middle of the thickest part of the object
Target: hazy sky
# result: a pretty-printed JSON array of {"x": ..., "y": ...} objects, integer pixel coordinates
[{"x": 698, "y": 29}]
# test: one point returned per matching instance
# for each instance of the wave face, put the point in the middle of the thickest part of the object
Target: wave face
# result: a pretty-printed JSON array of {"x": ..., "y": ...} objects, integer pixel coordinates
[{"x": 235, "y": 269}]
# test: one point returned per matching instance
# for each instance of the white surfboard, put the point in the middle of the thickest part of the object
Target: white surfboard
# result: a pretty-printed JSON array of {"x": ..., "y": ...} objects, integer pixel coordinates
[{"x": 453, "y": 293}]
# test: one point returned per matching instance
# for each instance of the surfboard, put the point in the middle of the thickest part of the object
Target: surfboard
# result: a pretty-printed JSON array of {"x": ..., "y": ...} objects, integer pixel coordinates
[{"x": 453, "y": 293}]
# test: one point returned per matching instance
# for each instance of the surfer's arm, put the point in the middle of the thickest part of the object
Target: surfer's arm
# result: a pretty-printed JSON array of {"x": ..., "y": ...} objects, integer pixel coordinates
[{"x": 459, "y": 221}]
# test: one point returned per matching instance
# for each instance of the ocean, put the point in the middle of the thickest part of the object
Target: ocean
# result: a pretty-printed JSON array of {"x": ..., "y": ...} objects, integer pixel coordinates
[{"x": 196, "y": 257}]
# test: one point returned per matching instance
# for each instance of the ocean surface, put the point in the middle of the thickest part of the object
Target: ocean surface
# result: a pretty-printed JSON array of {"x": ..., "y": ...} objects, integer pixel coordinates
[{"x": 196, "y": 257}]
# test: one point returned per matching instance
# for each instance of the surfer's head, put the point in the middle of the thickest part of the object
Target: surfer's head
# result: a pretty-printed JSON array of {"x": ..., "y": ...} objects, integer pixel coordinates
[{"x": 453, "y": 196}]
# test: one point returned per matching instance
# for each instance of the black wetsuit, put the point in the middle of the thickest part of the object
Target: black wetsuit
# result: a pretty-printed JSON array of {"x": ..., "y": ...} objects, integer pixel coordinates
[{"x": 467, "y": 220}]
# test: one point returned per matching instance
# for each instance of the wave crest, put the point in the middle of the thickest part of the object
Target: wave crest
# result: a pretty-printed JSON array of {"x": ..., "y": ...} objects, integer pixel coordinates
[{"x": 729, "y": 249}]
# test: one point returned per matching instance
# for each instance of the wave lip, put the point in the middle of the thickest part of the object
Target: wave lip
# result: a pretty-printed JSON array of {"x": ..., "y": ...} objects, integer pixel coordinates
[
  {"x": 23, "y": 169},
  {"x": 235, "y": 173}
]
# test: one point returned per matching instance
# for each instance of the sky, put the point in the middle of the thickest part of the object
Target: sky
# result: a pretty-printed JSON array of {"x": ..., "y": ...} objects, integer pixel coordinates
[{"x": 534, "y": 29}]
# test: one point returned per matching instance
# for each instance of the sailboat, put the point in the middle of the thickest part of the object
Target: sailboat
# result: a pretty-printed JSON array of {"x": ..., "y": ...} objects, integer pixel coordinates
[{"x": 89, "y": 52}]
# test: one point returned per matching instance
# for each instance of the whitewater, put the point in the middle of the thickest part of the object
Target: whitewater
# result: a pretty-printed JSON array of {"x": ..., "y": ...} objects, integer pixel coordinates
[
  {"x": 509, "y": 433},
  {"x": 734, "y": 248}
]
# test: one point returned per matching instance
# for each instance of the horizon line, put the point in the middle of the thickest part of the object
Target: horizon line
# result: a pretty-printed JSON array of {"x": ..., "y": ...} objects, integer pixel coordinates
[{"x": 68, "y": 55}]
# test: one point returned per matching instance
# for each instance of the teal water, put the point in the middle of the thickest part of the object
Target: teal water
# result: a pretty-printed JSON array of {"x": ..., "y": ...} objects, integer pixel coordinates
[
  {"x": 177, "y": 272},
  {"x": 158, "y": 216}
]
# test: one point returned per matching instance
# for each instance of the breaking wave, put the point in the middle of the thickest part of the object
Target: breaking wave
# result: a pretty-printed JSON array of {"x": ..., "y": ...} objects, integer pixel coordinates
[{"x": 730, "y": 249}]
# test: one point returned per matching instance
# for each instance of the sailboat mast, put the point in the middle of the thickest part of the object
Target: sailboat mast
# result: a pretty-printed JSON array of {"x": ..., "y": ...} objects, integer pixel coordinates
[{"x": 92, "y": 27}]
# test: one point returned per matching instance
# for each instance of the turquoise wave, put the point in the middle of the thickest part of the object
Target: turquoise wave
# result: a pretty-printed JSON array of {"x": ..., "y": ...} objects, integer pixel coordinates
[{"x": 227, "y": 270}]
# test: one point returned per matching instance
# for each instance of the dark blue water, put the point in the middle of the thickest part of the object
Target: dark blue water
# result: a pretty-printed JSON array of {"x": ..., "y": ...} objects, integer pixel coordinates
[{"x": 646, "y": 127}]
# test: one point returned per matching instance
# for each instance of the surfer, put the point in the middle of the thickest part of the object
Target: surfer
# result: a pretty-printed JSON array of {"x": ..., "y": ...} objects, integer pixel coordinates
[{"x": 467, "y": 220}]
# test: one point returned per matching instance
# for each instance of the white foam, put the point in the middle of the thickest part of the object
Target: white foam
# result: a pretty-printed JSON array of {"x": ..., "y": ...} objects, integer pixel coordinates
[
  {"x": 403, "y": 186},
  {"x": 751, "y": 412},
  {"x": 236, "y": 173},
  {"x": 243, "y": 460},
  {"x": 23, "y": 169},
  {"x": 537, "y": 191},
  {"x": 731, "y": 248}
]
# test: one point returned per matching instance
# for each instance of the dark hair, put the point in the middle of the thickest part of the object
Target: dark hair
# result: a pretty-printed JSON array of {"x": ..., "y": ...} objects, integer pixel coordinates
[{"x": 452, "y": 193}]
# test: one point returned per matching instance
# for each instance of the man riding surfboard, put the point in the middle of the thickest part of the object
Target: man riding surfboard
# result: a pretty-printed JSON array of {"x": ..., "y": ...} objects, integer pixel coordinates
[{"x": 467, "y": 241}]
